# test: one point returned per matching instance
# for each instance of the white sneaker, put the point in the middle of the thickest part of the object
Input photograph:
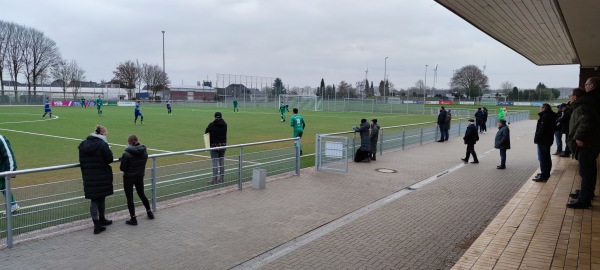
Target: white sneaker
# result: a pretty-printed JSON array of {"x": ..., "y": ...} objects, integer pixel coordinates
[{"x": 14, "y": 208}]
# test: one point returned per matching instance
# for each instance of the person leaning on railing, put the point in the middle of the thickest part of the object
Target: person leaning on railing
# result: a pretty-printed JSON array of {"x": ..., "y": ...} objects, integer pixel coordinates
[
  {"x": 7, "y": 163},
  {"x": 95, "y": 157}
]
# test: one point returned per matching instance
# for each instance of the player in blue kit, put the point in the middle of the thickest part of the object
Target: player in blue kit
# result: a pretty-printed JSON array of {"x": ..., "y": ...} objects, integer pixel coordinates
[
  {"x": 168, "y": 106},
  {"x": 47, "y": 108},
  {"x": 138, "y": 112}
]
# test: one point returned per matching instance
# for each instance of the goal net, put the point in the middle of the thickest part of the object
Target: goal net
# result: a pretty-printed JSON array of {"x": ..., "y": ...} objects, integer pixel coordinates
[{"x": 306, "y": 103}]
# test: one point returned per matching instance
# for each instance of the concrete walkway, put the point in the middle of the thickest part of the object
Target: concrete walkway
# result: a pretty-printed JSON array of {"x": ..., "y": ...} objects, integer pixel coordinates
[{"x": 425, "y": 215}]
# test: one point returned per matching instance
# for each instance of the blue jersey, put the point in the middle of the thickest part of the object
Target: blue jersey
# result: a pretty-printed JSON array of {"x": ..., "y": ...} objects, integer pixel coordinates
[
  {"x": 137, "y": 107},
  {"x": 47, "y": 105},
  {"x": 168, "y": 104}
]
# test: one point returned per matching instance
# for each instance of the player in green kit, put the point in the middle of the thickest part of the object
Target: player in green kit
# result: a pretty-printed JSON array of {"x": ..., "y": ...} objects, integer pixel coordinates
[
  {"x": 83, "y": 103},
  {"x": 297, "y": 122},
  {"x": 235, "y": 106},
  {"x": 282, "y": 111},
  {"x": 99, "y": 105}
]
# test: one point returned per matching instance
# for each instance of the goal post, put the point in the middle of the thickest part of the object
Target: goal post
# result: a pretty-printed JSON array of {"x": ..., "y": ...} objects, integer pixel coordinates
[{"x": 302, "y": 102}]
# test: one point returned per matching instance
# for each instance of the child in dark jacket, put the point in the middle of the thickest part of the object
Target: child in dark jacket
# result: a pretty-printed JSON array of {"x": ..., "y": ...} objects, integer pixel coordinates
[{"x": 133, "y": 165}]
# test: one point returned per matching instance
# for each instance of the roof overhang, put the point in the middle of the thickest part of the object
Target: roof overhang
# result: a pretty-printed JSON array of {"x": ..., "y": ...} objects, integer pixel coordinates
[{"x": 547, "y": 32}]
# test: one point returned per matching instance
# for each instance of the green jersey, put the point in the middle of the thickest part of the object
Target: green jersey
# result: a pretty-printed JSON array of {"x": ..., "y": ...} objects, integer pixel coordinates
[
  {"x": 297, "y": 122},
  {"x": 99, "y": 103},
  {"x": 282, "y": 108},
  {"x": 235, "y": 102}
]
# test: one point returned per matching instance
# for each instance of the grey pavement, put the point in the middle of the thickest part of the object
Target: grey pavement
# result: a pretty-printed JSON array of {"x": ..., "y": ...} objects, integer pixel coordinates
[{"x": 317, "y": 220}]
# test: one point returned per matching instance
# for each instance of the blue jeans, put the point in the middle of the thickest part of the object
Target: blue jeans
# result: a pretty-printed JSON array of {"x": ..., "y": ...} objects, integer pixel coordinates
[
  {"x": 443, "y": 133},
  {"x": 502, "y": 157},
  {"x": 558, "y": 139},
  {"x": 545, "y": 160},
  {"x": 218, "y": 165}
]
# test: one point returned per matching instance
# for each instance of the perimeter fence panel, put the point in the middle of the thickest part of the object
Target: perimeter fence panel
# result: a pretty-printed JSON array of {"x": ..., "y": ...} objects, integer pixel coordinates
[
  {"x": 52, "y": 205},
  {"x": 332, "y": 154}
]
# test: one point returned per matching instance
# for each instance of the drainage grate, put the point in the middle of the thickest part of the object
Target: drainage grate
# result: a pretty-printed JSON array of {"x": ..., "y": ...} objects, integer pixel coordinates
[{"x": 384, "y": 170}]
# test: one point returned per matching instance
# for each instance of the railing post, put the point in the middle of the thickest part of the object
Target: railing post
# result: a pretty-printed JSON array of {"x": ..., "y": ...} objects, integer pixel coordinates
[
  {"x": 153, "y": 181},
  {"x": 240, "y": 167},
  {"x": 7, "y": 201},
  {"x": 381, "y": 143},
  {"x": 298, "y": 156},
  {"x": 317, "y": 152},
  {"x": 403, "y": 137},
  {"x": 421, "y": 138}
]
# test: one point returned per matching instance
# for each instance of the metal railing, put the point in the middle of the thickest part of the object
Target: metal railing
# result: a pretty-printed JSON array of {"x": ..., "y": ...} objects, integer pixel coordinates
[
  {"x": 52, "y": 205},
  {"x": 402, "y": 136}
]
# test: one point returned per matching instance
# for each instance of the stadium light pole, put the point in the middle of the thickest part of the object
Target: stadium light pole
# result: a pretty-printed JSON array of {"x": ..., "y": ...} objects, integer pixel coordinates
[
  {"x": 384, "y": 74},
  {"x": 425, "y": 86},
  {"x": 163, "y": 32}
]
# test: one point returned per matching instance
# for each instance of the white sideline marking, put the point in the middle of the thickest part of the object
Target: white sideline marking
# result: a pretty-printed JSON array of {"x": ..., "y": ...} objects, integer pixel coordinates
[
  {"x": 308, "y": 237},
  {"x": 30, "y": 121}
]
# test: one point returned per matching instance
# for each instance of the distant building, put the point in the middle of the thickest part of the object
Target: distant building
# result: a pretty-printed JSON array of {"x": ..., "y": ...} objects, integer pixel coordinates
[{"x": 193, "y": 92}]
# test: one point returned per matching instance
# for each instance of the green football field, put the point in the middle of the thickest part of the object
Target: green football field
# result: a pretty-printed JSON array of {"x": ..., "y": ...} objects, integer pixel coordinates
[{"x": 40, "y": 142}]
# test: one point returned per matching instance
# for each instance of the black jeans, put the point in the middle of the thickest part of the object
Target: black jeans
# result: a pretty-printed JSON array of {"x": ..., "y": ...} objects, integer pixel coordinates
[
  {"x": 588, "y": 171},
  {"x": 545, "y": 160},
  {"x": 471, "y": 151},
  {"x": 502, "y": 157},
  {"x": 139, "y": 187},
  {"x": 97, "y": 207}
]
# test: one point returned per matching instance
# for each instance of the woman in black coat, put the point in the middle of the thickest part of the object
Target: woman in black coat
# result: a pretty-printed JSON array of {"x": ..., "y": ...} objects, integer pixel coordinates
[
  {"x": 362, "y": 154},
  {"x": 95, "y": 157},
  {"x": 133, "y": 166}
]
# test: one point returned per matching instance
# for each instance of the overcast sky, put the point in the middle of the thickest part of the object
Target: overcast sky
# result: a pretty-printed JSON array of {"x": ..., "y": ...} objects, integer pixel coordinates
[{"x": 299, "y": 41}]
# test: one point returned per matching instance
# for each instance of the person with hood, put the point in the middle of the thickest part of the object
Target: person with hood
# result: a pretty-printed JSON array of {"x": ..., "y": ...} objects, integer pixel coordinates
[
  {"x": 471, "y": 137},
  {"x": 374, "y": 137},
  {"x": 217, "y": 130},
  {"x": 441, "y": 121},
  {"x": 362, "y": 154},
  {"x": 584, "y": 131},
  {"x": 502, "y": 142},
  {"x": 544, "y": 138},
  {"x": 133, "y": 166},
  {"x": 95, "y": 157},
  {"x": 479, "y": 120}
]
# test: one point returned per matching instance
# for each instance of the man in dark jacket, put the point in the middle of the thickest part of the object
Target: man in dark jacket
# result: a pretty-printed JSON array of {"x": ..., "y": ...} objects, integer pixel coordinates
[
  {"x": 362, "y": 154},
  {"x": 564, "y": 127},
  {"x": 484, "y": 120},
  {"x": 471, "y": 137},
  {"x": 95, "y": 157},
  {"x": 217, "y": 130},
  {"x": 133, "y": 166},
  {"x": 502, "y": 142},
  {"x": 558, "y": 129},
  {"x": 544, "y": 138},
  {"x": 479, "y": 120},
  {"x": 584, "y": 131},
  {"x": 441, "y": 121}
]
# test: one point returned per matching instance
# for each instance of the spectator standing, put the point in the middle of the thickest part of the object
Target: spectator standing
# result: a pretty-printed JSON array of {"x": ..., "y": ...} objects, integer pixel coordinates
[
  {"x": 544, "y": 137},
  {"x": 133, "y": 166},
  {"x": 374, "y": 138},
  {"x": 584, "y": 131},
  {"x": 502, "y": 142},
  {"x": 95, "y": 157},
  {"x": 471, "y": 137},
  {"x": 485, "y": 118},
  {"x": 441, "y": 121},
  {"x": 217, "y": 130},
  {"x": 363, "y": 152},
  {"x": 564, "y": 127},
  {"x": 558, "y": 129},
  {"x": 448, "y": 123},
  {"x": 479, "y": 119},
  {"x": 7, "y": 163}
]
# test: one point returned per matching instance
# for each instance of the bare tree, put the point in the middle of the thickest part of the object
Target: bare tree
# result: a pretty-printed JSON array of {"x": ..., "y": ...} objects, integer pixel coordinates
[
  {"x": 76, "y": 77},
  {"x": 14, "y": 59},
  {"x": 40, "y": 55},
  {"x": 62, "y": 72},
  {"x": 471, "y": 80},
  {"x": 128, "y": 73},
  {"x": 6, "y": 32},
  {"x": 506, "y": 87}
]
